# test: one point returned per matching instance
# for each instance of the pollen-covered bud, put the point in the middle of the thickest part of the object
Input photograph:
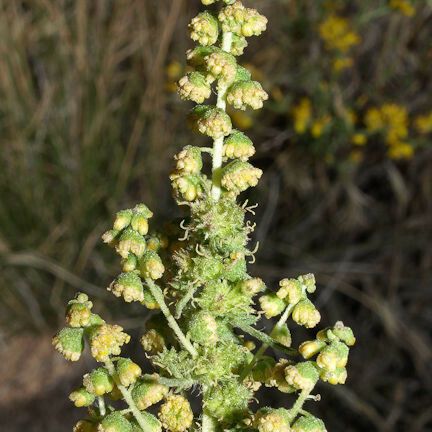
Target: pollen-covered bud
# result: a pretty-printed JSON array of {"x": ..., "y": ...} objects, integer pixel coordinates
[
  {"x": 149, "y": 301},
  {"x": 306, "y": 314},
  {"x": 238, "y": 146},
  {"x": 98, "y": 382},
  {"x": 309, "y": 282},
  {"x": 291, "y": 291},
  {"x": 150, "y": 266},
  {"x": 252, "y": 286},
  {"x": 239, "y": 44},
  {"x": 85, "y": 426},
  {"x": 140, "y": 223},
  {"x": 203, "y": 329},
  {"x": 122, "y": 219},
  {"x": 69, "y": 342},
  {"x": 129, "y": 264},
  {"x": 176, "y": 414},
  {"x": 130, "y": 241},
  {"x": 242, "y": 21},
  {"x": 277, "y": 378},
  {"x": 204, "y": 29},
  {"x": 272, "y": 420},
  {"x": 143, "y": 210},
  {"x": 237, "y": 176},
  {"x": 127, "y": 371},
  {"x": 271, "y": 305},
  {"x": 106, "y": 340},
  {"x": 282, "y": 335},
  {"x": 194, "y": 87},
  {"x": 333, "y": 356},
  {"x": 211, "y": 121},
  {"x": 82, "y": 398},
  {"x": 310, "y": 348},
  {"x": 189, "y": 160},
  {"x": 308, "y": 423},
  {"x": 222, "y": 66},
  {"x": 115, "y": 422},
  {"x": 148, "y": 392},
  {"x": 110, "y": 237},
  {"x": 187, "y": 186},
  {"x": 263, "y": 369},
  {"x": 302, "y": 376},
  {"x": 244, "y": 94},
  {"x": 335, "y": 377},
  {"x": 157, "y": 242},
  {"x": 152, "y": 423},
  {"x": 78, "y": 312},
  {"x": 153, "y": 342},
  {"x": 344, "y": 333},
  {"x": 129, "y": 286}
]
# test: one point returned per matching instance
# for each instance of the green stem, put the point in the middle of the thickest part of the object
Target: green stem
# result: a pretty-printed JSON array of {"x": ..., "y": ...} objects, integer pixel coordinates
[
  {"x": 101, "y": 404},
  {"x": 208, "y": 423},
  {"x": 227, "y": 38},
  {"x": 159, "y": 297},
  {"x": 297, "y": 407}
]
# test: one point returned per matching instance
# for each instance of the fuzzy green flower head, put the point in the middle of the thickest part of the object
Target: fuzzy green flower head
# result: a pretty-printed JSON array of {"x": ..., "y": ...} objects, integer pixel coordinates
[
  {"x": 78, "y": 311},
  {"x": 127, "y": 371},
  {"x": 238, "y": 176},
  {"x": 222, "y": 66},
  {"x": 106, "y": 340},
  {"x": 239, "y": 44},
  {"x": 176, "y": 414},
  {"x": 308, "y": 349},
  {"x": 272, "y": 420},
  {"x": 115, "y": 422},
  {"x": 189, "y": 160},
  {"x": 309, "y": 282},
  {"x": 335, "y": 377},
  {"x": 271, "y": 305},
  {"x": 143, "y": 210},
  {"x": 82, "y": 398},
  {"x": 110, "y": 237},
  {"x": 123, "y": 219},
  {"x": 306, "y": 314},
  {"x": 129, "y": 286},
  {"x": 130, "y": 263},
  {"x": 333, "y": 356},
  {"x": 244, "y": 94},
  {"x": 344, "y": 333},
  {"x": 148, "y": 392},
  {"x": 98, "y": 382},
  {"x": 194, "y": 87},
  {"x": 188, "y": 187},
  {"x": 204, "y": 29},
  {"x": 203, "y": 329},
  {"x": 302, "y": 376},
  {"x": 252, "y": 286},
  {"x": 153, "y": 342},
  {"x": 263, "y": 369},
  {"x": 282, "y": 335},
  {"x": 131, "y": 241},
  {"x": 69, "y": 342},
  {"x": 309, "y": 423},
  {"x": 291, "y": 291},
  {"x": 85, "y": 426},
  {"x": 238, "y": 146},
  {"x": 277, "y": 378},
  {"x": 150, "y": 266},
  {"x": 140, "y": 224},
  {"x": 211, "y": 121}
]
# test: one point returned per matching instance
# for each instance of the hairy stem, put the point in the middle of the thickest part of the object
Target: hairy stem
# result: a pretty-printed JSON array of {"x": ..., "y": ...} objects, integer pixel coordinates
[
  {"x": 159, "y": 297},
  {"x": 218, "y": 143},
  {"x": 297, "y": 407}
]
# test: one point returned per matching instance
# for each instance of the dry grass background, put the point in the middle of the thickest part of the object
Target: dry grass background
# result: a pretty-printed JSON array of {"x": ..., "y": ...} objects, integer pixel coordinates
[{"x": 87, "y": 128}]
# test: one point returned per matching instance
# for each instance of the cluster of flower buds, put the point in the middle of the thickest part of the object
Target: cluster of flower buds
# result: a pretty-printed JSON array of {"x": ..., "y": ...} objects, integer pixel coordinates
[
  {"x": 238, "y": 146},
  {"x": 272, "y": 420},
  {"x": 176, "y": 414},
  {"x": 244, "y": 94}
]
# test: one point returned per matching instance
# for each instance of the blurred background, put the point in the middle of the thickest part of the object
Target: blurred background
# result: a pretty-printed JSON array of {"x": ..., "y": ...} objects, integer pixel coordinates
[{"x": 89, "y": 122}]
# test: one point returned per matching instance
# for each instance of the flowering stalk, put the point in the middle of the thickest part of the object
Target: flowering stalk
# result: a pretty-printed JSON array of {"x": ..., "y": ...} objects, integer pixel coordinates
[{"x": 194, "y": 279}]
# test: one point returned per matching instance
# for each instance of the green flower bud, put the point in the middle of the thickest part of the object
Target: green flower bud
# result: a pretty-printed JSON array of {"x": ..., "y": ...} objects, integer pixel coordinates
[
  {"x": 239, "y": 44},
  {"x": 148, "y": 392},
  {"x": 153, "y": 342},
  {"x": 282, "y": 335},
  {"x": 122, "y": 220},
  {"x": 309, "y": 282},
  {"x": 127, "y": 371},
  {"x": 139, "y": 223},
  {"x": 310, "y": 348},
  {"x": 131, "y": 241},
  {"x": 194, "y": 87},
  {"x": 196, "y": 57},
  {"x": 187, "y": 186},
  {"x": 302, "y": 376},
  {"x": 263, "y": 369},
  {"x": 78, "y": 312},
  {"x": 115, "y": 422},
  {"x": 242, "y": 21},
  {"x": 110, "y": 237},
  {"x": 203, "y": 329},
  {"x": 309, "y": 423},
  {"x": 238, "y": 176},
  {"x": 345, "y": 334},
  {"x": 333, "y": 356},
  {"x": 272, "y": 420},
  {"x": 204, "y": 29},
  {"x": 252, "y": 286},
  {"x": 305, "y": 314},
  {"x": 106, "y": 340},
  {"x": 277, "y": 378},
  {"x": 98, "y": 382},
  {"x": 143, "y": 210},
  {"x": 149, "y": 301},
  {"x": 150, "y": 266},
  {"x": 189, "y": 160},
  {"x": 82, "y": 398},
  {"x": 238, "y": 146},
  {"x": 244, "y": 94},
  {"x": 271, "y": 305},
  {"x": 235, "y": 266},
  {"x": 128, "y": 286},
  {"x": 222, "y": 66},
  {"x": 211, "y": 121},
  {"x": 152, "y": 423},
  {"x": 69, "y": 342},
  {"x": 129, "y": 264},
  {"x": 176, "y": 414},
  {"x": 291, "y": 291},
  {"x": 85, "y": 426},
  {"x": 335, "y": 377}
]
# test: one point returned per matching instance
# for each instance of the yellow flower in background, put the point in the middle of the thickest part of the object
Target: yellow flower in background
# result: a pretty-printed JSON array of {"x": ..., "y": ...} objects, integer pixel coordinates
[
  {"x": 337, "y": 34},
  {"x": 173, "y": 72},
  {"x": 403, "y": 6},
  {"x": 302, "y": 114},
  {"x": 401, "y": 150},
  {"x": 374, "y": 120},
  {"x": 356, "y": 156},
  {"x": 359, "y": 139},
  {"x": 342, "y": 63},
  {"x": 241, "y": 119},
  {"x": 350, "y": 117},
  {"x": 423, "y": 123},
  {"x": 319, "y": 125}
]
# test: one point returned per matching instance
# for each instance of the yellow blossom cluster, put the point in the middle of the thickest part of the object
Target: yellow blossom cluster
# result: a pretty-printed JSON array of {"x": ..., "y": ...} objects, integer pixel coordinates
[
  {"x": 403, "y": 6},
  {"x": 304, "y": 121}
]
